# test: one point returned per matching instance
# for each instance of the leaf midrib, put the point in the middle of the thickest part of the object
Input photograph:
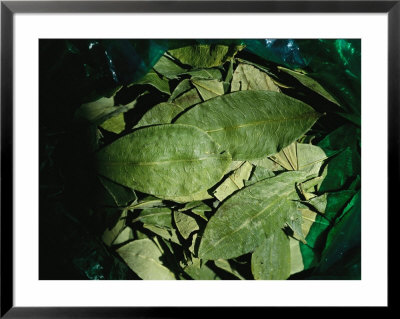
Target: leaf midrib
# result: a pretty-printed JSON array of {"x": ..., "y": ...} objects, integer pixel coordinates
[
  {"x": 162, "y": 162},
  {"x": 304, "y": 116}
]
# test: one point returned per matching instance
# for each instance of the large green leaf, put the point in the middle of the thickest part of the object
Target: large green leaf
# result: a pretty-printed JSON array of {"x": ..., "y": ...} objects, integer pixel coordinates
[
  {"x": 252, "y": 124},
  {"x": 143, "y": 257},
  {"x": 243, "y": 220},
  {"x": 271, "y": 260},
  {"x": 164, "y": 160},
  {"x": 205, "y": 55}
]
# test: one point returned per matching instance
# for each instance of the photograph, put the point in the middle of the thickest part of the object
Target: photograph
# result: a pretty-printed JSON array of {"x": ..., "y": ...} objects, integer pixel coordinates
[{"x": 200, "y": 159}]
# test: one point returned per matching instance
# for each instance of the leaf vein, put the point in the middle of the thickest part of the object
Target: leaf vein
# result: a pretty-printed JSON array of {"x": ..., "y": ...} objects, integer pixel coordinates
[{"x": 260, "y": 123}]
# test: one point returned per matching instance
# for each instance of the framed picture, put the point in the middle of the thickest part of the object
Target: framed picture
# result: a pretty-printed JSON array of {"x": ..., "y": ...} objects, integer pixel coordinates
[{"x": 214, "y": 144}]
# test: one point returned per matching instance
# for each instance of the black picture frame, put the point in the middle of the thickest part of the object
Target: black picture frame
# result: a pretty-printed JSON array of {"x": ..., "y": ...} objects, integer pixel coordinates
[{"x": 9, "y": 8}]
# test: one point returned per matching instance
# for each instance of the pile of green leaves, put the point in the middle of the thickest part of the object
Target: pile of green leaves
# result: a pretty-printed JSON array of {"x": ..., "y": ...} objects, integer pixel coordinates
[{"x": 220, "y": 165}]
